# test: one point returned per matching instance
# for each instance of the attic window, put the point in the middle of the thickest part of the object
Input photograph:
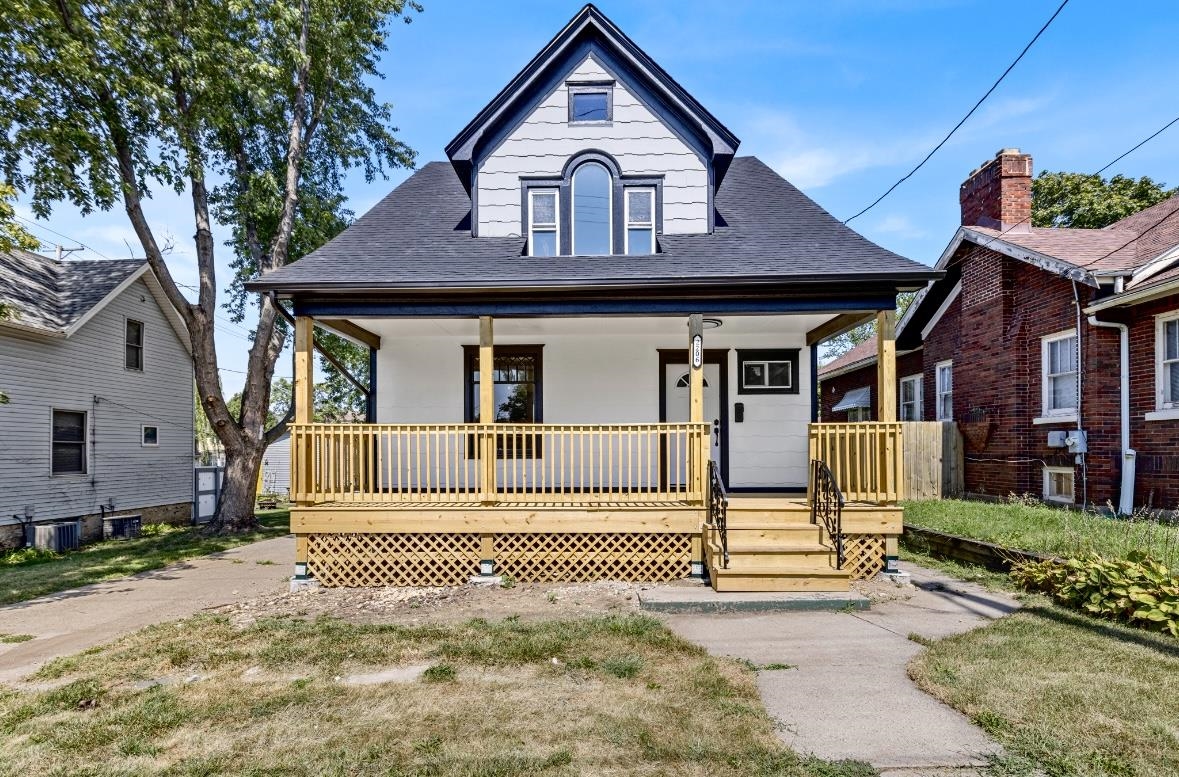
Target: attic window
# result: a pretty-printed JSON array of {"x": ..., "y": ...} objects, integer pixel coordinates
[{"x": 590, "y": 103}]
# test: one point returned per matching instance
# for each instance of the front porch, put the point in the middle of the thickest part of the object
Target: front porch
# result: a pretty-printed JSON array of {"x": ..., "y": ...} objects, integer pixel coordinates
[{"x": 440, "y": 503}]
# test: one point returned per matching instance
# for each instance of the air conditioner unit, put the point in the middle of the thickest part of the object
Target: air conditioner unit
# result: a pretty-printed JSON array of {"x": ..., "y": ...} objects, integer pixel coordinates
[
  {"x": 121, "y": 527},
  {"x": 58, "y": 537}
]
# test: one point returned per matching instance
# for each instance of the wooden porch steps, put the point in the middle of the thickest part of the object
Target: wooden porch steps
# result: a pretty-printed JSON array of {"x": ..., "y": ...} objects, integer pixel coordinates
[{"x": 773, "y": 546}]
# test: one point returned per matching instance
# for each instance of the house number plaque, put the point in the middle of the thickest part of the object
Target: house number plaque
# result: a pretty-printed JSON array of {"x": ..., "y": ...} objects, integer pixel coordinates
[{"x": 697, "y": 351}]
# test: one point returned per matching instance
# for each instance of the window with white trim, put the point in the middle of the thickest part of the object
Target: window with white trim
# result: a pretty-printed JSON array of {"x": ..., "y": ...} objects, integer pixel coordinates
[
  {"x": 150, "y": 436},
  {"x": 855, "y": 414},
  {"x": 1058, "y": 373},
  {"x": 1059, "y": 485},
  {"x": 68, "y": 442},
  {"x": 544, "y": 234},
  {"x": 945, "y": 390},
  {"x": 910, "y": 393},
  {"x": 640, "y": 220},
  {"x": 1167, "y": 356}
]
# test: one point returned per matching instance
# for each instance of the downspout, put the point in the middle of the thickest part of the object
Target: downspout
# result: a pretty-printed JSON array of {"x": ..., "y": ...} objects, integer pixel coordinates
[
  {"x": 1129, "y": 456},
  {"x": 1084, "y": 456}
]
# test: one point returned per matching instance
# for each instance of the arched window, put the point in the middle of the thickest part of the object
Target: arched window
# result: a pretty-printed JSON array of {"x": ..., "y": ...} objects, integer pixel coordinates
[
  {"x": 592, "y": 204},
  {"x": 685, "y": 381}
]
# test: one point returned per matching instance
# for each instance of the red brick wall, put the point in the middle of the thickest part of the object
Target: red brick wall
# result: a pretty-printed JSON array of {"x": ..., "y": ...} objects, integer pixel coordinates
[
  {"x": 1157, "y": 442},
  {"x": 831, "y": 390}
]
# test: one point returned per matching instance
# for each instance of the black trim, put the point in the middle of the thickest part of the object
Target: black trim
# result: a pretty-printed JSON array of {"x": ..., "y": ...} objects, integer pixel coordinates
[
  {"x": 814, "y": 384},
  {"x": 370, "y": 400},
  {"x": 719, "y": 356},
  {"x": 789, "y": 355}
]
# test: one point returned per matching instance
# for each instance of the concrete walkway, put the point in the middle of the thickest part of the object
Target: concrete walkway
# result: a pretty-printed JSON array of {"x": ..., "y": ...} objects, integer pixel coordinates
[
  {"x": 850, "y": 696},
  {"x": 71, "y": 621}
]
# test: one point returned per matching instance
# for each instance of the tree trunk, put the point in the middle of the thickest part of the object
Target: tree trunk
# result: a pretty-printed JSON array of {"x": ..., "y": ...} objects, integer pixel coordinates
[{"x": 235, "y": 510}]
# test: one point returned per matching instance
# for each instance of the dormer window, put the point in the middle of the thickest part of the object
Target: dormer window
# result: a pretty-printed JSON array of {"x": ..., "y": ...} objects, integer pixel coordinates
[
  {"x": 640, "y": 220},
  {"x": 544, "y": 230},
  {"x": 592, "y": 206},
  {"x": 590, "y": 103}
]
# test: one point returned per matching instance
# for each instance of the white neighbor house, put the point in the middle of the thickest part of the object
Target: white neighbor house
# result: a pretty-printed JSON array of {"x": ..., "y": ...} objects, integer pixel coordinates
[
  {"x": 587, "y": 325},
  {"x": 95, "y": 366}
]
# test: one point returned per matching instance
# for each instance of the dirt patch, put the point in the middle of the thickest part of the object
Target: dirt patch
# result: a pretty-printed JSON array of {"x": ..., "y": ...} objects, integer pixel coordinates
[
  {"x": 409, "y": 606},
  {"x": 881, "y": 589}
]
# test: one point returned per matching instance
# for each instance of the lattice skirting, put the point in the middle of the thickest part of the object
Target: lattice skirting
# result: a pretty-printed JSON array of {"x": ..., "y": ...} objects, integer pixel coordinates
[
  {"x": 368, "y": 560},
  {"x": 863, "y": 555},
  {"x": 578, "y": 558}
]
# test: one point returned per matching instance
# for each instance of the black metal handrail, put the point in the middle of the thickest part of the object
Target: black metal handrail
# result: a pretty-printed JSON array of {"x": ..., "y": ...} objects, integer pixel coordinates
[
  {"x": 827, "y": 506},
  {"x": 718, "y": 510}
]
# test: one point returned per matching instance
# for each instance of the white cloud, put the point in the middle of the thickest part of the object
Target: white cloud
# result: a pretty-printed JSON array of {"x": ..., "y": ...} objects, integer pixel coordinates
[{"x": 900, "y": 225}]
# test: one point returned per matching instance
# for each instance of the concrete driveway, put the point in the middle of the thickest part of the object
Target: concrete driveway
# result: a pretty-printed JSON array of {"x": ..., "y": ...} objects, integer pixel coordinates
[
  {"x": 850, "y": 696},
  {"x": 71, "y": 621}
]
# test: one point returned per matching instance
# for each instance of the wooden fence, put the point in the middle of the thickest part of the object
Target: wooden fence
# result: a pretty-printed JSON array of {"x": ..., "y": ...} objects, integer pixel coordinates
[{"x": 933, "y": 459}]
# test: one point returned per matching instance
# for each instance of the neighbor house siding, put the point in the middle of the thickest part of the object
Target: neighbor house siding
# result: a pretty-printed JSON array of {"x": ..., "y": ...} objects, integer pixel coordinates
[
  {"x": 835, "y": 387},
  {"x": 1157, "y": 442},
  {"x": 276, "y": 467},
  {"x": 86, "y": 373},
  {"x": 601, "y": 372},
  {"x": 638, "y": 139}
]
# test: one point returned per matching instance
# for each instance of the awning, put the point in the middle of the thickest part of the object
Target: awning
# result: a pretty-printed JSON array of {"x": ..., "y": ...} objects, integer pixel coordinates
[{"x": 861, "y": 397}]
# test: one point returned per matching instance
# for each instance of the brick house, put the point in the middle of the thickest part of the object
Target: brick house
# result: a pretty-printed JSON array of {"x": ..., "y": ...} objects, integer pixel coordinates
[{"x": 1055, "y": 350}]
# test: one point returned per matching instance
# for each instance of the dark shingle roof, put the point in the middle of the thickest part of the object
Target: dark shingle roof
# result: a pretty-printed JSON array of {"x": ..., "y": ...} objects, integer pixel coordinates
[
  {"x": 865, "y": 352},
  {"x": 51, "y": 295},
  {"x": 419, "y": 236}
]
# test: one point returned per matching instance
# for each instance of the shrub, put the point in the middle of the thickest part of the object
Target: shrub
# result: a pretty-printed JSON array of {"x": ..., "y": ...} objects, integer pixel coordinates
[
  {"x": 28, "y": 556},
  {"x": 1136, "y": 589}
]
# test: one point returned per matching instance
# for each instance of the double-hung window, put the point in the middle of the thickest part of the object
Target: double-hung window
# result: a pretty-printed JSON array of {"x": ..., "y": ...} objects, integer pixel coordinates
[
  {"x": 945, "y": 391},
  {"x": 133, "y": 355},
  {"x": 68, "y": 443},
  {"x": 544, "y": 232},
  {"x": 1167, "y": 368},
  {"x": 911, "y": 398},
  {"x": 1059, "y": 374},
  {"x": 517, "y": 395},
  {"x": 640, "y": 220}
]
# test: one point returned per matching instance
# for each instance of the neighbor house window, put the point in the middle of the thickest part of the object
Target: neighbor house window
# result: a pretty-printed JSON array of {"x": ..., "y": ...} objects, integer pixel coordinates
[
  {"x": 911, "y": 398},
  {"x": 592, "y": 202},
  {"x": 590, "y": 103},
  {"x": 1168, "y": 362},
  {"x": 150, "y": 436},
  {"x": 767, "y": 371},
  {"x": 1059, "y": 374},
  {"x": 945, "y": 391},
  {"x": 640, "y": 221},
  {"x": 69, "y": 442},
  {"x": 856, "y": 414},
  {"x": 1058, "y": 485},
  {"x": 134, "y": 342},
  {"x": 544, "y": 237}
]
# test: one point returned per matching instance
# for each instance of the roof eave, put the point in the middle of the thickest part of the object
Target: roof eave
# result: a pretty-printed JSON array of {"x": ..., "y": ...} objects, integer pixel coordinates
[{"x": 1136, "y": 297}]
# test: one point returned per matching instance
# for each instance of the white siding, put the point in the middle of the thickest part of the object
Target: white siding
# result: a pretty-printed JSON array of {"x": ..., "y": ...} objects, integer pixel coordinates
[
  {"x": 276, "y": 467},
  {"x": 637, "y": 138},
  {"x": 605, "y": 371},
  {"x": 86, "y": 373}
]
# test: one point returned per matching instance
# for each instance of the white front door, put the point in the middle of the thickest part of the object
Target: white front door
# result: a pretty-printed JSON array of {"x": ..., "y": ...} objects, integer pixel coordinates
[{"x": 676, "y": 388}]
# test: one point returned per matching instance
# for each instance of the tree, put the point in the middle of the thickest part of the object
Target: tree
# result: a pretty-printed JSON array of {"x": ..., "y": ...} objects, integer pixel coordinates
[
  {"x": 838, "y": 346},
  {"x": 1083, "y": 201},
  {"x": 254, "y": 109}
]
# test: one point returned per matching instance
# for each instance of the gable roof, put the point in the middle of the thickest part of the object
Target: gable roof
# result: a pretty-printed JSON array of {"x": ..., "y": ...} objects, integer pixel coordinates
[
  {"x": 860, "y": 355},
  {"x": 589, "y": 31},
  {"x": 57, "y": 298},
  {"x": 418, "y": 237}
]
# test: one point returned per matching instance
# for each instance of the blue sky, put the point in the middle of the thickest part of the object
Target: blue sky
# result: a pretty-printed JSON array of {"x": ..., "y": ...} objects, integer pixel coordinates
[{"x": 842, "y": 97}]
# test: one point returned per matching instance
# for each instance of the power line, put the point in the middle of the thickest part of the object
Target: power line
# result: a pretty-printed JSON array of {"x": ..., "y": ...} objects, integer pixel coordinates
[
  {"x": 1138, "y": 236},
  {"x": 969, "y": 113},
  {"x": 38, "y": 225}
]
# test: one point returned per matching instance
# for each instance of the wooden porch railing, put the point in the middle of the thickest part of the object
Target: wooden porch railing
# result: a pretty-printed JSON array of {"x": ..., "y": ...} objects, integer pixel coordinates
[
  {"x": 499, "y": 463},
  {"x": 864, "y": 457}
]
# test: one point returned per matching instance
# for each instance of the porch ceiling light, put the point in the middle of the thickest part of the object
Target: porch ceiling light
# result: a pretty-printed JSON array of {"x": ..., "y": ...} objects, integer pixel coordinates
[{"x": 712, "y": 323}]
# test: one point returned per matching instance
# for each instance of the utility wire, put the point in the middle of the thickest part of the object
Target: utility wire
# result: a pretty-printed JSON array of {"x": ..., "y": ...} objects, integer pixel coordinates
[
  {"x": 969, "y": 113},
  {"x": 38, "y": 225},
  {"x": 1137, "y": 237}
]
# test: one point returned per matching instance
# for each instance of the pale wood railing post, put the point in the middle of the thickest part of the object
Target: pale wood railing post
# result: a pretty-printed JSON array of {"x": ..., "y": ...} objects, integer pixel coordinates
[{"x": 487, "y": 410}]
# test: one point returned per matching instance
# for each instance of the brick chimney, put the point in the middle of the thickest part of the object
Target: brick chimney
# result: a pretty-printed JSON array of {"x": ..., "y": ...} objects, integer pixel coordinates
[{"x": 999, "y": 193}]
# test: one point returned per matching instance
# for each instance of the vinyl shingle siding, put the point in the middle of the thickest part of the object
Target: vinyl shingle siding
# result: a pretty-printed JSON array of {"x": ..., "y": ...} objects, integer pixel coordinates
[{"x": 86, "y": 372}]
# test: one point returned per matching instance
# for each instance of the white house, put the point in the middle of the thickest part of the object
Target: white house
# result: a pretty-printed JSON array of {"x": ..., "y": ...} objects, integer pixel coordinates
[
  {"x": 589, "y": 325},
  {"x": 98, "y": 395}
]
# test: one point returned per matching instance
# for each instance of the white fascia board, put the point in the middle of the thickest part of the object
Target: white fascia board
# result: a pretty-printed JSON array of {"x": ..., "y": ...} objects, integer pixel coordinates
[
  {"x": 1045, "y": 262},
  {"x": 1163, "y": 261},
  {"x": 1136, "y": 297},
  {"x": 111, "y": 295},
  {"x": 941, "y": 311}
]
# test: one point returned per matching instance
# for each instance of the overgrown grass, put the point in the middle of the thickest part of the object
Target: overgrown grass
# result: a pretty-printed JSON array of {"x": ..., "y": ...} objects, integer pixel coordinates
[
  {"x": 619, "y": 695},
  {"x": 912, "y": 549},
  {"x": 1065, "y": 694},
  {"x": 29, "y": 574},
  {"x": 1037, "y": 527}
]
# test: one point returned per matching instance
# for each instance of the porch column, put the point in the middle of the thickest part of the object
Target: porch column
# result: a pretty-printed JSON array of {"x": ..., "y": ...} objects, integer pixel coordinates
[
  {"x": 696, "y": 368},
  {"x": 886, "y": 366},
  {"x": 487, "y": 405},
  {"x": 302, "y": 397}
]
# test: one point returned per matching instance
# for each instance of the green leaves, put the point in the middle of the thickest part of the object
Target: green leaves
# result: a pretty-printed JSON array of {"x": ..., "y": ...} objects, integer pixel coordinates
[
  {"x": 1138, "y": 589},
  {"x": 1089, "y": 201}
]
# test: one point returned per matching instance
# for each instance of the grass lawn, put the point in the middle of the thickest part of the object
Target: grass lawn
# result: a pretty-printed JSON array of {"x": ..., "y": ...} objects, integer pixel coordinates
[
  {"x": 1065, "y": 694},
  {"x": 1037, "y": 527},
  {"x": 42, "y": 575},
  {"x": 609, "y": 695}
]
